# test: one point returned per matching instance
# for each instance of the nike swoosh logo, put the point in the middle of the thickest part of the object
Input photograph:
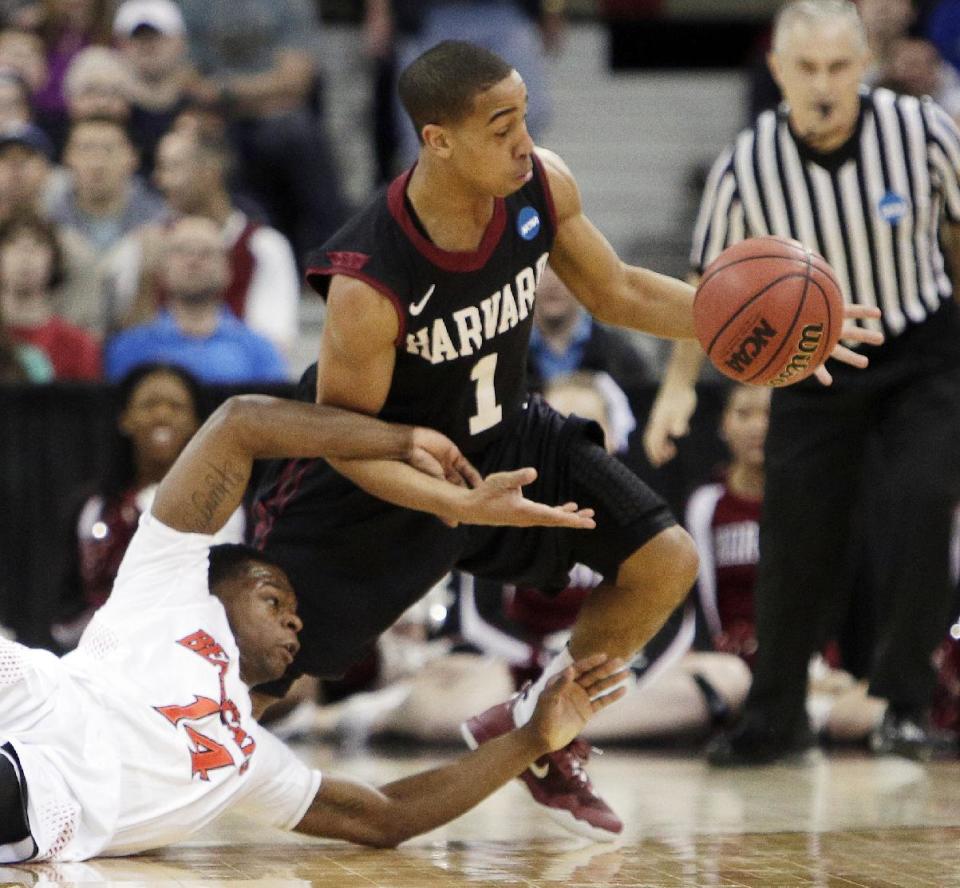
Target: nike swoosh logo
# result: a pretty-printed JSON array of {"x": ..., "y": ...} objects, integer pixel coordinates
[
  {"x": 417, "y": 307},
  {"x": 539, "y": 771}
]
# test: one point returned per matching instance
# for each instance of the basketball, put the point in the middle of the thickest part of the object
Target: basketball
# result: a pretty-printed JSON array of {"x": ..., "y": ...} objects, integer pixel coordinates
[{"x": 768, "y": 311}]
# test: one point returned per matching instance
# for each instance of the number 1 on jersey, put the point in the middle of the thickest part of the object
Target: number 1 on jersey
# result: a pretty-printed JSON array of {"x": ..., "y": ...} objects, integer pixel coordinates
[{"x": 489, "y": 412}]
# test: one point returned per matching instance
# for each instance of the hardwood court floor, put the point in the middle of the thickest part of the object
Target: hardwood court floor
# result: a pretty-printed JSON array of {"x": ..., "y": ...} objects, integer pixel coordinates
[{"x": 845, "y": 820}]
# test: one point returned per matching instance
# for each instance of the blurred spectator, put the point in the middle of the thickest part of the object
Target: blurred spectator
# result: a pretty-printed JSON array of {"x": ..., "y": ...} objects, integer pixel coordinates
[
  {"x": 594, "y": 395},
  {"x": 885, "y": 22},
  {"x": 150, "y": 35},
  {"x": 67, "y": 27},
  {"x": 263, "y": 288},
  {"x": 25, "y": 167},
  {"x": 916, "y": 68},
  {"x": 566, "y": 338},
  {"x": 519, "y": 31},
  {"x": 22, "y": 52},
  {"x": 25, "y": 182},
  {"x": 196, "y": 330},
  {"x": 158, "y": 412},
  {"x": 97, "y": 84},
  {"x": 30, "y": 266},
  {"x": 105, "y": 200},
  {"x": 14, "y": 99},
  {"x": 257, "y": 59},
  {"x": 724, "y": 520},
  {"x": 25, "y": 14}
]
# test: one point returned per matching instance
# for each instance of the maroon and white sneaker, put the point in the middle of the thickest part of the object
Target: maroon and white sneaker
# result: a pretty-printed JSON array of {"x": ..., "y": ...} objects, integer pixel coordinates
[{"x": 557, "y": 780}]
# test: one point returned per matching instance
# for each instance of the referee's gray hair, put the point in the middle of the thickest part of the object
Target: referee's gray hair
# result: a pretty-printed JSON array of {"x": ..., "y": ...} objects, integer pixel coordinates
[{"x": 815, "y": 12}]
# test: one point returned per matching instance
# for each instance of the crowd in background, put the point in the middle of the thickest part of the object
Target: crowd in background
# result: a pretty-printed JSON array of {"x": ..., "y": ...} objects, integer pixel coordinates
[
  {"x": 165, "y": 167},
  {"x": 120, "y": 124}
]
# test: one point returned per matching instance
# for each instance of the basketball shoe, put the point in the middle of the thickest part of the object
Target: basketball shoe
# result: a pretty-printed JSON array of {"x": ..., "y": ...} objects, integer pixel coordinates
[
  {"x": 557, "y": 781},
  {"x": 753, "y": 740},
  {"x": 904, "y": 733}
]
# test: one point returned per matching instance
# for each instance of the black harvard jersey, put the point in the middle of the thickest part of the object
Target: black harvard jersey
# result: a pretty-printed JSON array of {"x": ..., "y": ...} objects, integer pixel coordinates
[{"x": 465, "y": 318}]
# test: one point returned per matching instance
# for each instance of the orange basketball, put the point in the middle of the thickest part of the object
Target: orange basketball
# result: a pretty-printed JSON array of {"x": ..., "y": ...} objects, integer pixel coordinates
[{"x": 768, "y": 311}]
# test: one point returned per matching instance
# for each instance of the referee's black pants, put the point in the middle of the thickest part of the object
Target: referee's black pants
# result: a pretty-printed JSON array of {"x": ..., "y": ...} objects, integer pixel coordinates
[{"x": 908, "y": 403}]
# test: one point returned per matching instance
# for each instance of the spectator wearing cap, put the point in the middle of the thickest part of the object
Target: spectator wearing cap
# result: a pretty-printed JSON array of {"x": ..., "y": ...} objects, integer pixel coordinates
[
  {"x": 257, "y": 59},
  {"x": 105, "y": 199},
  {"x": 31, "y": 263},
  {"x": 150, "y": 35},
  {"x": 25, "y": 187},
  {"x": 263, "y": 288},
  {"x": 196, "y": 330}
]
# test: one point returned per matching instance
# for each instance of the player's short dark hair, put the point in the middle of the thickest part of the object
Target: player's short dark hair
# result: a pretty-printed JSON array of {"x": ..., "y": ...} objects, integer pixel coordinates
[
  {"x": 230, "y": 560},
  {"x": 440, "y": 85}
]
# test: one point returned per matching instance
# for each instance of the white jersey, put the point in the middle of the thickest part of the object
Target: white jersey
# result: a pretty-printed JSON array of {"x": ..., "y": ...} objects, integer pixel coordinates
[{"x": 145, "y": 732}]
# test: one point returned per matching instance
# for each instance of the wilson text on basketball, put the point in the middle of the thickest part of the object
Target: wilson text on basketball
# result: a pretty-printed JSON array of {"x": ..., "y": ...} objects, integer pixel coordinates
[{"x": 808, "y": 343}]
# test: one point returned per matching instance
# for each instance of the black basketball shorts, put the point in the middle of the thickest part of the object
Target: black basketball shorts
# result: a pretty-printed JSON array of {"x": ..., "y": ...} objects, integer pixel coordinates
[{"x": 358, "y": 563}]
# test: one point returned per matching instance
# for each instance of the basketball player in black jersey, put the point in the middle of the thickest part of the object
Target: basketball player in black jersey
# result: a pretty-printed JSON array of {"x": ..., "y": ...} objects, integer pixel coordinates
[{"x": 430, "y": 293}]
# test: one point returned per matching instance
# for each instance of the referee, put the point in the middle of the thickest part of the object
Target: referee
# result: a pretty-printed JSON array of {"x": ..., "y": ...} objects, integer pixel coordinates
[{"x": 870, "y": 180}]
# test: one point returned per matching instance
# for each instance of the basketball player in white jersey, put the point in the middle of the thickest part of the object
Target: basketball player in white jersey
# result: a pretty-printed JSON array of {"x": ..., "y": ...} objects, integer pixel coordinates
[{"x": 146, "y": 732}]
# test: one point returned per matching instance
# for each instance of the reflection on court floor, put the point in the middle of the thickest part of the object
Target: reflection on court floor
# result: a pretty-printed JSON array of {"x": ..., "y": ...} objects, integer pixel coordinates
[{"x": 845, "y": 820}]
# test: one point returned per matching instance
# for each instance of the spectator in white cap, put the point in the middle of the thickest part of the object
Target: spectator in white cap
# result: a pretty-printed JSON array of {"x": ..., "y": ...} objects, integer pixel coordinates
[
  {"x": 150, "y": 35},
  {"x": 153, "y": 16}
]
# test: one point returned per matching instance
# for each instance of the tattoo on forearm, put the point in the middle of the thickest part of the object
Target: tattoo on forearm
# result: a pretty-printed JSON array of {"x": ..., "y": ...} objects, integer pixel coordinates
[{"x": 219, "y": 483}]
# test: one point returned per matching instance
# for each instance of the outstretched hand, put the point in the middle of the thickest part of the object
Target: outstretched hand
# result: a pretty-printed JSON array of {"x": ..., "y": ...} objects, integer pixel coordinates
[
  {"x": 498, "y": 500},
  {"x": 852, "y": 333},
  {"x": 574, "y": 696}
]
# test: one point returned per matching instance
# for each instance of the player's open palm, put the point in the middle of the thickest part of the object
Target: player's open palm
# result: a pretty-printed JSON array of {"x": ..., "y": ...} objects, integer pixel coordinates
[
  {"x": 574, "y": 696},
  {"x": 499, "y": 500}
]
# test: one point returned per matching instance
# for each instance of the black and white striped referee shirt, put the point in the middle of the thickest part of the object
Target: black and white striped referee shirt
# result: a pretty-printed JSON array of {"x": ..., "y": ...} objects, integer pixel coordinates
[{"x": 872, "y": 208}]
